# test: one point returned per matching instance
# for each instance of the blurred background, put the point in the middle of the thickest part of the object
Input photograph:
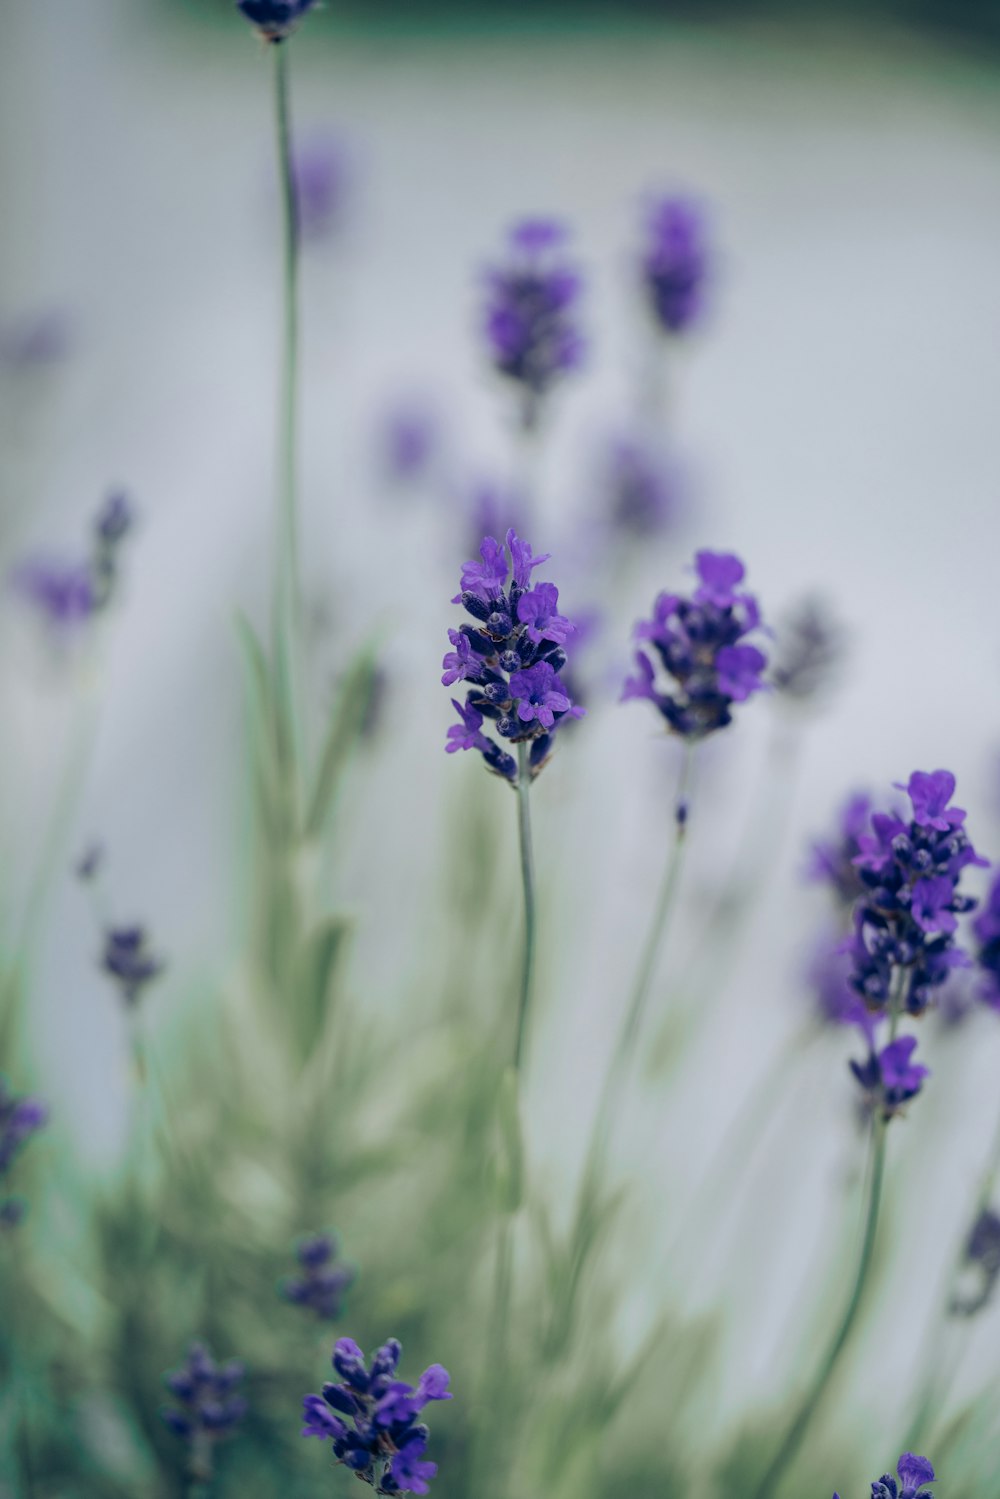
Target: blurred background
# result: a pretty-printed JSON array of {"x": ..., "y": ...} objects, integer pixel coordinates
[{"x": 833, "y": 420}]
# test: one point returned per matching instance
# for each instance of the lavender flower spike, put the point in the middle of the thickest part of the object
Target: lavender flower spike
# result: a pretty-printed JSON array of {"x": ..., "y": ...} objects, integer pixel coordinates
[
  {"x": 987, "y": 932},
  {"x": 904, "y": 942},
  {"x": 700, "y": 644},
  {"x": 275, "y": 19},
  {"x": 208, "y": 1407},
  {"x": 128, "y": 959},
  {"x": 510, "y": 657},
  {"x": 675, "y": 263},
  {"x": 324, "y": 1279},
  {"x": 913, "y": 1473},
  {"x": 371, "y": 1418},
  {"x": 529, "y": 317}
]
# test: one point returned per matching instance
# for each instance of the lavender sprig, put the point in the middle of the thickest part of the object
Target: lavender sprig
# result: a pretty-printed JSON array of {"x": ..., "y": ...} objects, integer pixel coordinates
[
  {"x": 913, "y": 1473},
  {"x": 20, "y": 1119},
  {"x": 675, "y": 264},
  {"x": 321, "y": 1286},
  {"x": 208, "y": 1408},
  {"x": 371, "y": 1418},
  {"x": 275, "y": 20}
]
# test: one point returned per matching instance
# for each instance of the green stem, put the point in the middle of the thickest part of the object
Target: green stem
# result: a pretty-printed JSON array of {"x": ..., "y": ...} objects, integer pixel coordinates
[
  {"x": 768, "y": 1486},
  {"x": 528, "y": 885},
  {"x": 287, "y": 593}
]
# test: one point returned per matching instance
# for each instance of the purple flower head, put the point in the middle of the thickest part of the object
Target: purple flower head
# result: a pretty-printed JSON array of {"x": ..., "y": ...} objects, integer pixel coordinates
[
  {"x": 128, "y": 959},
  {"x": 832, "y": 860},
  {"x": 20, "y": 1119},
  {"x": 700, "y": 644},
  {"x": 890, "y": 1078},
  {"x": 538, "y": 611},
  {"x": 208, "y": 1408},
  {"x": 905, "y": 921},
  {"x": 837, "y": 1003},
  {"x": 380, "y": 1440},
  {"x": 810, "y": 650},
  {"x": 930, "y": 793},
  {"x": 510, "y": 655},
  {"x": 914, "y": 1472},
  {"x": 675, "y": 263},
  {"x": 324, "y": 1280},
  {"x": 275, "y": 19},
  {"x": 529, "y": 318},
  {"x": 323, "y": 174}
]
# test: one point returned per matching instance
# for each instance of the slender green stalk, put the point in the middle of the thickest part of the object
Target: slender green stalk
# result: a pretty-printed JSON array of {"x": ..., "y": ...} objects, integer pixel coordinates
[
  {"x": 768, "y": 1486},
  {"x": 528, "y": 884},
  {"x": 287, "y": 592}
]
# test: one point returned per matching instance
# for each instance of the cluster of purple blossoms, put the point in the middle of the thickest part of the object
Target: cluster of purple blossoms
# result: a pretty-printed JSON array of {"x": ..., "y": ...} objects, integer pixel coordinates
[
  {"x": 913, "y": 1473},
  {"x": 903, "y": 945},
  {"x": 529, "y": 319},
  {"x": 209, "y": 1407},
  {"x": 511, "y": 657},
  {"x": 380, "y": 1440},
  {"x": 700, "y": 643},
  {"x": 324, "y": 1279},
  {"x": 275, "y": 19},
  {"x": 68, "y": 594},
  {"x": 20, "y": 1118},
  {"x": 986, "y": 928},
  {"x": 675, "y": 263},
  {"x": 890, "y": 1078},
  {"x": 128, "y": 959}
]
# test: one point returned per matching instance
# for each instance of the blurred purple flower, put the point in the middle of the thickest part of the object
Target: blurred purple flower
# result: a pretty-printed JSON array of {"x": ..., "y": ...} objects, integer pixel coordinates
[
  {"x": 323, "y": 171},
  {"x": 832, "y": 859},
  {"x": 128, "y": 959},
  {"x": 675, "y": 263},
  {"x": 890, "y": 1077},
  {"x": 35, "y": 341},
  {"x": 640, "y": 491},
  {"x": 809, "y": 651},
  {"x": 986, "y": 929},
  {"x": 529, "y": 319},
  {"x": 20, "y": 1118},
  {"x": 408, "y": 440},
  {"x": 208, "y": 1407},
  {"x": 324, "y": 1280}
]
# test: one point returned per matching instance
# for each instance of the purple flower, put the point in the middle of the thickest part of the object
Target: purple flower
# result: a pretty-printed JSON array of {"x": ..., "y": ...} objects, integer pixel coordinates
[
  {"x": 675, "y": 263},
  {"x": 914, "y": 1472},
  {"x": 930, "y": 793},
  {"x": 323, "y": 173},
  {"x": 511, "y": 655},
  {"x": 380, "y": 1440},
  {"x": 275, "y": 19},
  {"x": 465, "y": 735},
  {"x": 20, "y": 1119},
  {"x": 486, "y": 578},
  {"x": 461, "y": 662},
  {"x": 981, "y": 1264},
  {"x": 903, "y": 944},
  {"x": 529, "y": 316},
  {"x": 837, "y": 1003},
  {"x": 325, "y": 1279},
  {"x": 537, "y": 695},
  {"x": 35, "y": 341},
  {"x": 700, "y": 645},
  {"x": 890, "y": 1078},
  {"x": 538, "y": 610},
  {"x": 129, "y": 960},
  {"x": 208, "y": 1406}
]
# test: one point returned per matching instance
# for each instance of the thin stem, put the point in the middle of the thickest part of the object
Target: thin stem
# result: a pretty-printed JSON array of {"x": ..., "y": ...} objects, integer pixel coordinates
[
  {"x": 528, "y": 884},
  {"x": 768, "y": 1486},
  {"x": 287, "y": 592}
]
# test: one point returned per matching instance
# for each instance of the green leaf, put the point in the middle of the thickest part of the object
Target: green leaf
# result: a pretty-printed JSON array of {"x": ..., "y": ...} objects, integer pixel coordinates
[
  {"x": 317, "y": 962},
  {"x": 347, "y": 721}
]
